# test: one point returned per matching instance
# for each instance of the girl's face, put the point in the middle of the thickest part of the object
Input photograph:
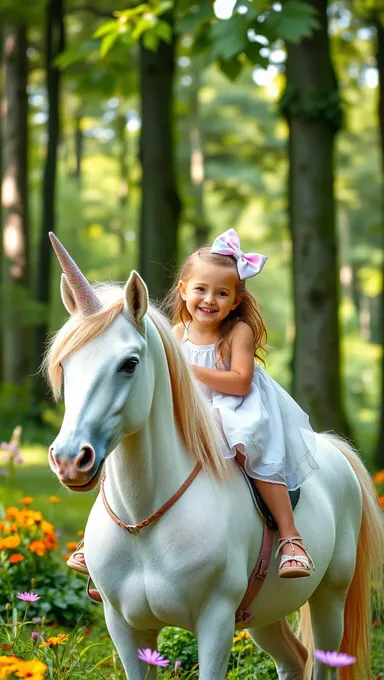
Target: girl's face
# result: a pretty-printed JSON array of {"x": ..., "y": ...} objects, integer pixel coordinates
[{"x": 210, "y": 293}]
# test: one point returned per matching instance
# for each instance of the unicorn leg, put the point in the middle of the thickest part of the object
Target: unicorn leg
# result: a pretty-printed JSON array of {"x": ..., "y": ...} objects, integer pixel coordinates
[
  {"x": 288, "y": 653},
  {"x": 327, "y": 615},
  {"x": 127, "y": 641},
  {"x": 214, "y": 633}
]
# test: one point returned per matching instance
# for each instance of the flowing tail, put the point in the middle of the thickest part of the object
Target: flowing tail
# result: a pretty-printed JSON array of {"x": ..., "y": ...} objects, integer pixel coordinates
[{"x": 368, "y": 571}]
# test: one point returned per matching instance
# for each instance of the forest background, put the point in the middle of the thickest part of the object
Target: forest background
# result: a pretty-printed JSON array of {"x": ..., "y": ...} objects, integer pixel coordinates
[{"x": 138, "y": 131}]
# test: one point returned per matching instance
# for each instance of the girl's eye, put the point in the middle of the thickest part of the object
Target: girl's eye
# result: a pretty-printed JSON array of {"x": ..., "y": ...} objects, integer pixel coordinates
[
  {"x": 200, "y": 289},
  {"x": 223, "y": 294}
]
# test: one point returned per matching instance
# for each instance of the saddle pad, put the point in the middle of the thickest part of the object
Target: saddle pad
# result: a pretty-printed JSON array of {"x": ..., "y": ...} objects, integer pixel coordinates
[{"x": 262, "y": 507}]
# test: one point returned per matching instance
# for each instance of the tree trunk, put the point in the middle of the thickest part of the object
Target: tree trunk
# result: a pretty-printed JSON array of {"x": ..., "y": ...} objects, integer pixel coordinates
[
  {"x": 160, "y": 205},
  {"x": 197, "y": 161},
  {"x": 54, "y": 45},
  {"x": 312, "y": 109},
  {"x": 15, "y": 261},
  {"x": 379, "y": 457},
  {"x": 79, "y": 145}
]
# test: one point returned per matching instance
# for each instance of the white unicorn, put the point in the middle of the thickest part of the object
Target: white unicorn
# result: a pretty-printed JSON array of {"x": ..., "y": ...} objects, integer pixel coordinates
[{"x": 132, "y": 407}]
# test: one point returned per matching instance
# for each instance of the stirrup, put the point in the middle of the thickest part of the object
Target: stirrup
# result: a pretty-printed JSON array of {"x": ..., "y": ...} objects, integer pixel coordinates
[
  {"x": 306, "y": 560},
  {"x": 72, "y": 562}
]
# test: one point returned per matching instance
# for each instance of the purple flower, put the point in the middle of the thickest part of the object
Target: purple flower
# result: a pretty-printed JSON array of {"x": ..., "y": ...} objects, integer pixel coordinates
[
  {"x": 37, "y": 619},
  {"x": 28, "y": 597},
  {"x": 177, "y": 665},
  {"x": 19, "y": 460},
  {"x": 34, "y": 635},
  {"x": 334, "y": 659},
  {"x": 152, "y": 657}
]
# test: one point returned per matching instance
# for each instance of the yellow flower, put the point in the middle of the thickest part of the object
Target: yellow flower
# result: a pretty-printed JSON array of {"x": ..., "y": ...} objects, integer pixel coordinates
[
  {"x": 27, "y": 500},
  {"x": 242, "y": 635},
  {"x": 34, "y": 670},
  {"x": 12, "y": 512},
  {"x": 54, "y": 499},
  {"x": 9, "y": 542},
  {"x": 47, "y": 527},
  {"x": 60, "y": 639},
  {"x": 8, "y": 665}
]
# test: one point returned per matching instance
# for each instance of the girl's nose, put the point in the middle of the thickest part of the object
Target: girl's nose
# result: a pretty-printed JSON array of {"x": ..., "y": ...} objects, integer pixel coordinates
[{"x": 209, "y": 298}]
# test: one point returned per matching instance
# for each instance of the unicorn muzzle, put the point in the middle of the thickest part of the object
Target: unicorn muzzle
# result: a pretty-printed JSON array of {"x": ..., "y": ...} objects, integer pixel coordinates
[{"x": 75, "y": 472}]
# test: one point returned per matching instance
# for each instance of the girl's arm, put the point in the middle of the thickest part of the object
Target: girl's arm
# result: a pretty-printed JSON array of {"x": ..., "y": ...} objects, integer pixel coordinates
[{"x": 238, "y": 379}]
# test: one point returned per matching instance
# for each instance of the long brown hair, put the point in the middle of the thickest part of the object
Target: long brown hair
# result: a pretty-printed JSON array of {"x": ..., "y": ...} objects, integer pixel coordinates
[{"x": 247, "y": 310}]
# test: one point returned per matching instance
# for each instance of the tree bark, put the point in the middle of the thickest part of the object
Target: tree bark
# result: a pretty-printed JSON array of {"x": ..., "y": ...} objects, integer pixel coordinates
[
  {"x": 79, "y": 146},
  {"x": 15, "y": 261},
  {"x": 54, "y": 45},
  {"x": 197, "y": 161},
  {"x": 312, "y": 110},
  {"x": 379, "y": 455},
  {"x": 160, "y": 204}
]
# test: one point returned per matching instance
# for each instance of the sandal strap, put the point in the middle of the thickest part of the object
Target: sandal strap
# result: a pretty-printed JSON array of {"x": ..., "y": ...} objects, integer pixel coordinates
[
  {"x": 298, "y": 542},
  {"x": 297, "y": 558}
]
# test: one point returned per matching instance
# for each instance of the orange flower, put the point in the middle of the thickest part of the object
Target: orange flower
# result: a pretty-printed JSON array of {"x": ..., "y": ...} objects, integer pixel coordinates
[
  {"x": 379, "y": 477},
  {"x": 54, "y": 499},
  {"x": 27, "y": 500},
  {"x": 47, "y": 527},
  {"x": 12, "y": 512},
  {"x": 71, "y": 546},
  {"x": 15, "y": 558},
  {"x": 381, "y": 501},
  {"x": 51, "y": 541},
  {"x": 66, "y": 556},
  {"x": 37, "y": 547},
  {"x": 8, "y": 666},
  {"x": 9, "y": 542},
  {"x": 60, "y": 639},
  {"x": 80, "y": 533}
]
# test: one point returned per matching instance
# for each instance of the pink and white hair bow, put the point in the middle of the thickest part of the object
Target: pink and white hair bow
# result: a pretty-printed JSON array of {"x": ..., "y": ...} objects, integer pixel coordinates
[{"x": 248, "y": 264}]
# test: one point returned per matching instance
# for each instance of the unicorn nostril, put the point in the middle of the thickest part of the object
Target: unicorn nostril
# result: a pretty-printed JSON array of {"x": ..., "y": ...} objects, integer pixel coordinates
[{"x": 86, "y": 458}]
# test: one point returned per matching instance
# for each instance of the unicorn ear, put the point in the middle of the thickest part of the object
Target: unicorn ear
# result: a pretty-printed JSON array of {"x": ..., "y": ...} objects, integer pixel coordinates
[
  {"x": 67, "y": 296},
  {"x": 136, "y": 297}
]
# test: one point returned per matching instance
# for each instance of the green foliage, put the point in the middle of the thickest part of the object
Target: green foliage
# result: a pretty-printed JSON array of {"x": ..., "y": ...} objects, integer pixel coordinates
[
  {"x": 178, "y": 644},
  {"x": 324, "y": 106},
  {"x": 28, "y": 561}
]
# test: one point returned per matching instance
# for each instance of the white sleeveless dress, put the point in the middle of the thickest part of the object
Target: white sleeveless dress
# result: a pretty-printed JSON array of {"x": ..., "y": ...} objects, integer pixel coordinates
[{"x": 266, "y": 425}]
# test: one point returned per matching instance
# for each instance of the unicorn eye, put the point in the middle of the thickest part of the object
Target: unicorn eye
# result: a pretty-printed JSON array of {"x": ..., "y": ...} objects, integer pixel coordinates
[{"x": 128, "y": 366}]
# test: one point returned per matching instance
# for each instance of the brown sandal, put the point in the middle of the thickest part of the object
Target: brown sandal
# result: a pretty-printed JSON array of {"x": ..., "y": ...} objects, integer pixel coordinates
[
  {"x": 76, "y": 561},
  {"x": 306, "y": 560}
]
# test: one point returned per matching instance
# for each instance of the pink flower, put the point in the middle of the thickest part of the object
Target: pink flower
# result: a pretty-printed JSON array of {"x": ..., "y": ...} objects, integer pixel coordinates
[
  {"x": 28, "y": 597},
  {"x": 152, "y": 657},
  {"x": 334, "y": 659},
  {"x": 34, "y": 635}
]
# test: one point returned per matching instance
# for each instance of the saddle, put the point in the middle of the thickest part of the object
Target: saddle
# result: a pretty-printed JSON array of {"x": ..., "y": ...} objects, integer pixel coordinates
[{"x": 262, "y": 507}]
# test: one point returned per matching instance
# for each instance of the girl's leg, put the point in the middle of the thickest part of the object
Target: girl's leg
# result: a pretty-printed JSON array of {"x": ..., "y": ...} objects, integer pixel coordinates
[{"x": 277, "y": 499}]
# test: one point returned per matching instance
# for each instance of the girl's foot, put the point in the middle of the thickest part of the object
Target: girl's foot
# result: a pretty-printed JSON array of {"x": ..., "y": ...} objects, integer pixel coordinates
[
  {"x": 295, "y": 559},
  {"x": 76, "y": 561}
]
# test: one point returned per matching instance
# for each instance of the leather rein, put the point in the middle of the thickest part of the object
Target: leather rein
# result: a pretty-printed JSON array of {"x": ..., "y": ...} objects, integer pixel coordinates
[{"x": 136, "y": 528}]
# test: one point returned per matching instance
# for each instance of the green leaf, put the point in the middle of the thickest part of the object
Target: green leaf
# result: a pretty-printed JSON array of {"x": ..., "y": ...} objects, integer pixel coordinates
[
  {"x": 107, "y": 43},
  {"x": 231, "y": 67},
  {"x": 151, "y": 40},
  {"x": 229, "y": 37},
  {"x": 164, "y": 31},
  {"x": 163, "y": 7},
  {"x": 295, "y": 21},
  {"x": 108, "y": 27},
  {"x": 198, "y": 13}
]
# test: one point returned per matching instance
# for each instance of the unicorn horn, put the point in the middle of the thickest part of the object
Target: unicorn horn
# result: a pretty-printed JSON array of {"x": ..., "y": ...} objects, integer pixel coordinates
[{"x": 85, "y": 297}]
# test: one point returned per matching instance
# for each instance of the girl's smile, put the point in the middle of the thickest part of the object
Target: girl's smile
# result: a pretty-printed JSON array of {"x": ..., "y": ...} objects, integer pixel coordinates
[{"x": 210, "y": 293}]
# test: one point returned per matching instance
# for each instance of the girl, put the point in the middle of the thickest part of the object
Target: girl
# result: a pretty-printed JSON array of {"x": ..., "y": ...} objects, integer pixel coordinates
[{"x": 221, "y": 332}]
